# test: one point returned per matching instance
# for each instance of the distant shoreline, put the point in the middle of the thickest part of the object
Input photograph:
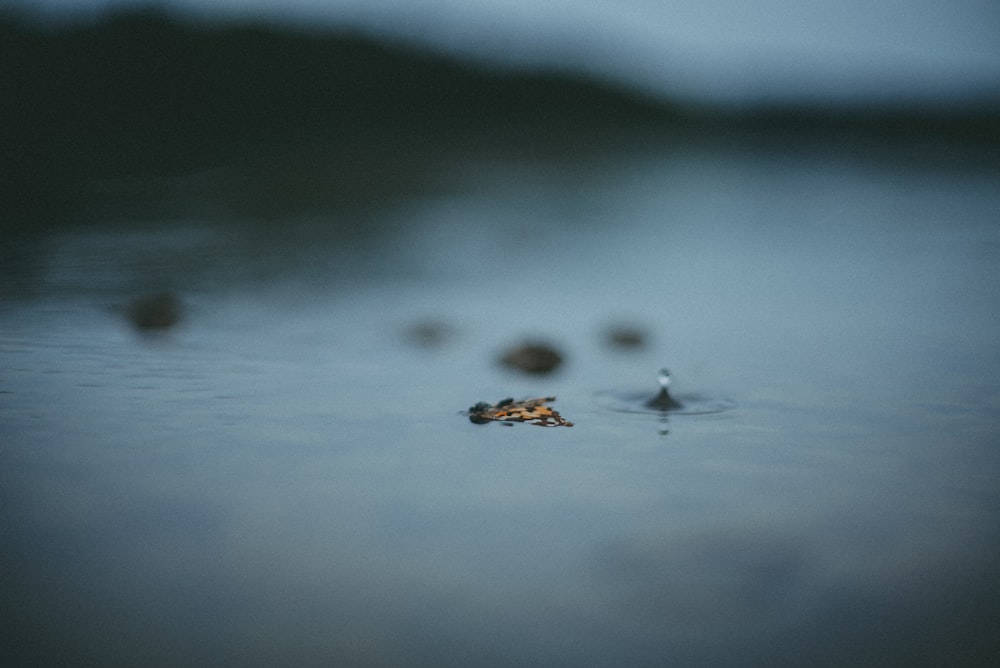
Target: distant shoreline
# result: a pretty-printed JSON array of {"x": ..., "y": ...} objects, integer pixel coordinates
[{"x": 144, "y": 94}]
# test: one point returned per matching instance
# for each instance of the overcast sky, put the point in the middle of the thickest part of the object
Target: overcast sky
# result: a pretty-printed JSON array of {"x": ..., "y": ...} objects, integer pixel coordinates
[{"x": 735, "y": 50}]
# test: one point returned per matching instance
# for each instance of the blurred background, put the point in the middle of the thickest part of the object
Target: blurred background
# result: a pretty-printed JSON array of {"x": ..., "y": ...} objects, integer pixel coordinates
[
  {"x": 259, "y": 258},
  {"x": 720, "y": 51},
  {"x": 111, "y": 88}
]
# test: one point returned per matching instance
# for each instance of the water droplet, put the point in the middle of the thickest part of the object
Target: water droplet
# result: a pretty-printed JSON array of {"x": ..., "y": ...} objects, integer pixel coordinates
[{"x": 663, "y": 401}]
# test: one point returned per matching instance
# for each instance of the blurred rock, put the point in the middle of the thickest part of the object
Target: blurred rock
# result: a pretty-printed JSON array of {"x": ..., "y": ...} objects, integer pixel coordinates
[
  {"x": 155, "y": 312},
  {"x": 532, "y": 357},
  {"x": 428, "y": 334},
  {"x": 625, "y": 337}
]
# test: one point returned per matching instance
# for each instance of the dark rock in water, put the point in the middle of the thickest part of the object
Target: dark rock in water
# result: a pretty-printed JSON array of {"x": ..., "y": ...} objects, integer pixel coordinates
[
  {"x": 663, "y": 401},
  {"x": 155, "y": 312},
  {"x": 428, "y": 334},
  {"x": 532, "y": 357},
  {"x": 625, "y": 337}
]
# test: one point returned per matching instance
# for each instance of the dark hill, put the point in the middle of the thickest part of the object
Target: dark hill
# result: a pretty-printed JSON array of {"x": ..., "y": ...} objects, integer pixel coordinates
[{"x": 141, "y": 94}]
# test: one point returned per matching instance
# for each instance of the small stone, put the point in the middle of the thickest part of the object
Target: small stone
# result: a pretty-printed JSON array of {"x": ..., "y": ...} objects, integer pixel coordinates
[
  {"x": 532, "y": 357},
  {"x": 428, "y": 334},
  {"x": 158, "y": 311},
  {"x": 625, "y": 337}
]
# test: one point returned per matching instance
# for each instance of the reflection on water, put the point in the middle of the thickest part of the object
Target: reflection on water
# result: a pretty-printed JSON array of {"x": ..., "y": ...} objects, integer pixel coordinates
[{"x": 285, "y": 476}]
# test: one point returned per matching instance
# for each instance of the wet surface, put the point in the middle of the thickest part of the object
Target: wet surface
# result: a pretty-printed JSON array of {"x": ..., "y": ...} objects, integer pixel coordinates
[
  {"x": 286, "y": 477},
  {"x": 683, "y": 404},
  {"x": 664, "y": 402}
]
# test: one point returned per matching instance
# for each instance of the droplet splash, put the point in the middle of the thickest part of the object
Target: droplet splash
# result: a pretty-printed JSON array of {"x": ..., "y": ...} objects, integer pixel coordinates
[{"x": 663, "y": 401}]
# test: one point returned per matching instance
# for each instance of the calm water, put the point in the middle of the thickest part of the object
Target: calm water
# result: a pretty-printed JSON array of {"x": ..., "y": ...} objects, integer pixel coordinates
[{"x": 286, "y": 477}]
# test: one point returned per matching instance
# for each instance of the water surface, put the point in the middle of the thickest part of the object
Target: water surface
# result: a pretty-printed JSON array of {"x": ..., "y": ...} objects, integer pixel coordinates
[{"x": 286, "y": 477}]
